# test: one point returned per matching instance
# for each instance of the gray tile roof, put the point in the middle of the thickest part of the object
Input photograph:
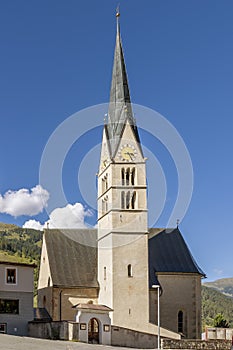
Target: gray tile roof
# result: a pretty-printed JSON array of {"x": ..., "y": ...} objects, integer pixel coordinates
[
  {"x": 41, "y": 314},
  {"x": 92, "y": 307},
  {"x": 168, "y": 252},
  {"x": 72, "y": 257}
]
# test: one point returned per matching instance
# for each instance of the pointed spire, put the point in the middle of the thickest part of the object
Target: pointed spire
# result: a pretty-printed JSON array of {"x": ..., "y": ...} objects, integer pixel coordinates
[{"x": 120, "y": 109}]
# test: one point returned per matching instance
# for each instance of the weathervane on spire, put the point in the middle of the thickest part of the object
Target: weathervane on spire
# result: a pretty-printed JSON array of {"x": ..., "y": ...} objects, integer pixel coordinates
[{"x": 118, "y": 11}]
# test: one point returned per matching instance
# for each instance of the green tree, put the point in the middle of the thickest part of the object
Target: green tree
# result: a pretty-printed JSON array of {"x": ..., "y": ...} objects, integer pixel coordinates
[{"x": 220, "y": 321}]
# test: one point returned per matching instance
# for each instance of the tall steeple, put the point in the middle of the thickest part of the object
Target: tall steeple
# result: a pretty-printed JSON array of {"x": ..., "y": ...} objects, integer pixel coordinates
[
  {"x": 122, "y": 207},
  {"x": 120, "y": 109}
]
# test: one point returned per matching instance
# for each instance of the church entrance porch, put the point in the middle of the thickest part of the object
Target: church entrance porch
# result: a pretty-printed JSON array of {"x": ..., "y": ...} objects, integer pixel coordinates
[
  {"x": 93, "y": 331},
  {"x": 94, "y": 323}
]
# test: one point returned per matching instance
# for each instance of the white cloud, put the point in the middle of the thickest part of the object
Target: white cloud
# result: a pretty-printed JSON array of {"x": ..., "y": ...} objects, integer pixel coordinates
[
  {"x": 24, "y": 201},
  {"x": 70, "y": 216},
  {"x": 36, "y": 225}
]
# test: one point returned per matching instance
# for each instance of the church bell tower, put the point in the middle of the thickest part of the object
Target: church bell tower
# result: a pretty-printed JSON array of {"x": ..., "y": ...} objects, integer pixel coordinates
[{"x": 122, "y": 207}]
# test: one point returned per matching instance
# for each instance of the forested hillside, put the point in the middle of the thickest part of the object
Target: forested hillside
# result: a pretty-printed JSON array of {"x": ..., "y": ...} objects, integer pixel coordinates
[
  {"x": 20, "y": 245},
  {"x": 213, "y": 303}
]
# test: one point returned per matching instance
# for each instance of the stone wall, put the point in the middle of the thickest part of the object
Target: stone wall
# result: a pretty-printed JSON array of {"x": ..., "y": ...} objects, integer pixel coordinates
[
  {"x": 54, "y": 330},
  {"x": 132, "y": 339},
  {"x": 196, "y": 344},
  {"x": 218, "y": 333}
]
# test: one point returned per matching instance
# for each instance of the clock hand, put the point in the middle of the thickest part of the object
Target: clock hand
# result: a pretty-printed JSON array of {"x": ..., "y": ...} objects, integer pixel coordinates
[{"x": 130, "y": 155}]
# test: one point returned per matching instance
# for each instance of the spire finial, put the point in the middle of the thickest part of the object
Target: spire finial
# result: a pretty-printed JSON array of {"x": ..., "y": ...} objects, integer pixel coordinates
[
  {"x": 118, "y": 16},
  {"x": 118, "y": 11},
  {"x": 177, "y": 222}
]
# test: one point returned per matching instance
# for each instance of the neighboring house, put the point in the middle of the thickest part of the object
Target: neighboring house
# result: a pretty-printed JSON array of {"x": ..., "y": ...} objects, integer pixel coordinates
[
  {"x": 120, "y": 263},
  {"x": 16, "y": 297}
]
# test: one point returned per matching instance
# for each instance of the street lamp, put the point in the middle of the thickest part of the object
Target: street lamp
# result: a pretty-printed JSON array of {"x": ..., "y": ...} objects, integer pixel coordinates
[{"x": 157, "y": 286}]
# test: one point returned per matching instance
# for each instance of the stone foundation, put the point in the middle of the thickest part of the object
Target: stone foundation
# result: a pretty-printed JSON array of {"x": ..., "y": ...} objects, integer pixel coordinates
[{"x": 196, "y": 344}]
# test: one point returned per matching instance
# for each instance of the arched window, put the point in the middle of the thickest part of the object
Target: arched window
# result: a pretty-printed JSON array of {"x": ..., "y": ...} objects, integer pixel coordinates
[
  {"x": 49, "y": 282},
  {"x": 133, "y": 200},
  {"x": 180, "y": 321},
  {"x": 122, "y": 200},
  {"x": 123, "y": 177},
  {"x": 106, "y": 182},
  {"x": 103, "y": 185},
  {"x": 128, "y": 200},
  {"x": 106, "y": 205},
  {"x": 133, "y": 177},
  {"x": 127, "y": 176},
  {"x": 130, "y": 271}
]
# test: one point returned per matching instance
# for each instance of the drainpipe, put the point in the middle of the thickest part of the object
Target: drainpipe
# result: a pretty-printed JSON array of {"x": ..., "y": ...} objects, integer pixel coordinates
[{"x": 60, "y": 304}]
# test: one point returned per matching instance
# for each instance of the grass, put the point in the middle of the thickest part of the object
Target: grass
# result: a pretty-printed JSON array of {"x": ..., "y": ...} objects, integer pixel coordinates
[{"x": 4, "y": 256}]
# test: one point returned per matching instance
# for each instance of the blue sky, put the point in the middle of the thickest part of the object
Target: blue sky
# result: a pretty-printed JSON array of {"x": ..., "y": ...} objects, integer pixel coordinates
[{"x": 56, "y": 59}]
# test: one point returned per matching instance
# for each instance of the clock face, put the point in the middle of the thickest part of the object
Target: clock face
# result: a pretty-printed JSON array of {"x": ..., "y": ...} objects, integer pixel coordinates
[{"x": 128, "y": 153}]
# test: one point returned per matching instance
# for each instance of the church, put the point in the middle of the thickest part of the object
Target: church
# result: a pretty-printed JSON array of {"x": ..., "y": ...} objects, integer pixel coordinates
[{"x": 113, "y": 276}]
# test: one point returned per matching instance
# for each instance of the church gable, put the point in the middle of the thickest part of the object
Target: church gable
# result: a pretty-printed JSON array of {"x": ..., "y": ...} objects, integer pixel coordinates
[
  {"x": 168, "y": 253},
  {"x": 72, "y": 257},
  {"x": 129, "y": 149}
]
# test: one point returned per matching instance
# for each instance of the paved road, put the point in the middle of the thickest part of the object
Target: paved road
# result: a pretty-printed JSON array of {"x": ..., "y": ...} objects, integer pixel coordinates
[{"x": 11, "y": 342}]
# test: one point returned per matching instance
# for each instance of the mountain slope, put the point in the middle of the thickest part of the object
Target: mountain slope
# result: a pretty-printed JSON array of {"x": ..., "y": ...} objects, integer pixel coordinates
[
  {"x": 213, "y": 303},
  {"x": 223, "y": 285}
]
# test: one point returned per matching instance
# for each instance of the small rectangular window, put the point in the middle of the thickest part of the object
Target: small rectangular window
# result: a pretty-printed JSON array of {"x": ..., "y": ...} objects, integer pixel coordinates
[
  {"x": 2, "y": 327},
  {"x": 105, "y": 273},
  {"x": 10, "y": 276},
  {"x": 9, "y": 306},
  {"x": 106, "y": 328}
]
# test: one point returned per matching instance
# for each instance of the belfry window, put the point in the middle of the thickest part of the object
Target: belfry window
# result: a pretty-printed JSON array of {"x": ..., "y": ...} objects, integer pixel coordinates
[
  {"x": 123, "y": 177},
  {"x": 127, "y": 176},
  {"x": 133, "y": 177},
  {"x": 106, "y": 182},
  {"x": 122, "y": 200},
  {"x": 133, "y": 200},
  {"x": 128, "y": 200},
  {"x": 180, "y": 321},
  {"x": 106, "y": 204}
]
